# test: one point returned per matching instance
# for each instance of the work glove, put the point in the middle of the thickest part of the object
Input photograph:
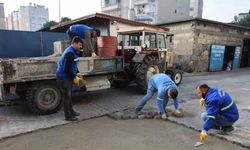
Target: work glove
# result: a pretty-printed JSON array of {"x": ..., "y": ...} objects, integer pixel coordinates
[
  {"x": 77, "y": 81},
  {"x": 164, "y": 116},
  {"x": 177, "y": 113},
  {"x": 203, "y": 135},
  {"x": 202, "y": 102},
  {"x": 79, "y": 75},
  {"x": 93, "y": 55}
]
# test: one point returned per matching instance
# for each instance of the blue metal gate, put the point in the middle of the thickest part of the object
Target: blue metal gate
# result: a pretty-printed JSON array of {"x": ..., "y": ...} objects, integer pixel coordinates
[
  {"x": 216, "y": 58},
  {"x": 28, "y": 44},
  {"x": 236, "y": 61}
]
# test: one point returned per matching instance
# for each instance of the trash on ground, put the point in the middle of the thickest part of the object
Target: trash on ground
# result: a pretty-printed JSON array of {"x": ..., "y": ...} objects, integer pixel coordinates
[{"x": 197, "y": 144}]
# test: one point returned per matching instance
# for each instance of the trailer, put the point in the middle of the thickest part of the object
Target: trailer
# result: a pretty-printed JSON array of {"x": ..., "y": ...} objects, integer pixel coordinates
[{"x": 33, "y": 80}]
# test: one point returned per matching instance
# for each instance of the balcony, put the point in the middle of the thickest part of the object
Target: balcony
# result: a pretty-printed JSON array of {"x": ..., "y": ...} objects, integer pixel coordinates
[
  {"x": 111, "y": 7},
  {"x": 143, "y": 17},
  {"x": 141, "y": 2}
]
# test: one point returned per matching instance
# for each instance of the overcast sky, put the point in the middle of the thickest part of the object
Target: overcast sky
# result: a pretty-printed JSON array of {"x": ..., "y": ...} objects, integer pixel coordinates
[{"x": 219, "y": 10}]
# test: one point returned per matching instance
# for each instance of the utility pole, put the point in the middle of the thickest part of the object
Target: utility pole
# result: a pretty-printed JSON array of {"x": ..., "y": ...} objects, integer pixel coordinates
[{"x": 59, "y": 10}]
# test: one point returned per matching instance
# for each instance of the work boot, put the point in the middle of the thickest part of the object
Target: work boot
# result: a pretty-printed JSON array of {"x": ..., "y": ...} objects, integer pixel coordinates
[
  {"x": 71, "y": 119},
  {"x": 166, "y": 113},
  {"x": 216, "y": 127},
  {"x": 74, "y": 113},
  {"x": 138, "y": 111},
  {"x": 227, "y": 129}
]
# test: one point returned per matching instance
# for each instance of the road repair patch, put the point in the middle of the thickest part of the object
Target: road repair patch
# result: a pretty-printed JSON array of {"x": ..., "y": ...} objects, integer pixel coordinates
[{"x": 130, "y": 113}]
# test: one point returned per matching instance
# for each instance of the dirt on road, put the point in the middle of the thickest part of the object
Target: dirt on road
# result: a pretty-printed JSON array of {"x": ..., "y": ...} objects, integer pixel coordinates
[{"x": 108, "y": 134}]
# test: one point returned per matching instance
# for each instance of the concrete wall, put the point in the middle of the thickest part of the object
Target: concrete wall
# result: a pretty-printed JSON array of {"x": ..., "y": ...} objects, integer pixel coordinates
[
  {"x": 207, "y": 34},
  {"x": 193, "y": 40},
  {"x": 172, "y": 10},
  {"x": 183, "y": 45},
  {"x": 122, "y": 27}
]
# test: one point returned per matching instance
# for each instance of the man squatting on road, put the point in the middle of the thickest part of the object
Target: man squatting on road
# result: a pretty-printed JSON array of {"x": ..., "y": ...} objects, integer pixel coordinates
[{"x": 221, "y": 111}]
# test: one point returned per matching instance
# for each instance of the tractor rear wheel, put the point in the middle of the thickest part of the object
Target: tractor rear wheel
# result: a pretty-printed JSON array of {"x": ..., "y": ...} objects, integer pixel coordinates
[{"x": 148, "y": 67}]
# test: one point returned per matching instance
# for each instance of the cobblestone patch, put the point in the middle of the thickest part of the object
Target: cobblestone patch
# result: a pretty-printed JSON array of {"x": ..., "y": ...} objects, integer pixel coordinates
[{"x": 146, "y": 113}]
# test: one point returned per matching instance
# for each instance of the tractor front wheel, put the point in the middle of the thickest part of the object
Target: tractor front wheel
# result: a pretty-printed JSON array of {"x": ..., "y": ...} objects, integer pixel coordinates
[{"x": 176, "y": 76}]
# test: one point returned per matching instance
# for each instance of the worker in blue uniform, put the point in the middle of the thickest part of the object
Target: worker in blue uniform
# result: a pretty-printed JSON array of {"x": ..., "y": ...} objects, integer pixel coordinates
[
  {"x": 165, "y": 88},
  {"x": 66, "y": 74},
  {"x": 88, "y": 35},
  {"x": 221, "y": 110}
]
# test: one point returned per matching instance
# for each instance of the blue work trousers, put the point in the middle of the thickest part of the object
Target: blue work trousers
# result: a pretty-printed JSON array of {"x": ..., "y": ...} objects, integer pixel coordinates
[
  {"x": 159, "y": 102},
  {"x": 219, "y": 120}
]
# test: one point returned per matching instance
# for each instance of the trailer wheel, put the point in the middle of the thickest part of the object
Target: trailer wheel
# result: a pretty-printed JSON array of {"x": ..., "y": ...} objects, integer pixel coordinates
[
  {"x": 44, "y": 98},
  {"x": 148, "y": 67},
  {"x": 176, "y": 76}
]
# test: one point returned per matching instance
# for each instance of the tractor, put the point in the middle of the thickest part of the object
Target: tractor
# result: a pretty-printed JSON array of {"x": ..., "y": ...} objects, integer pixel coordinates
[{"x": 145, "y": 53}]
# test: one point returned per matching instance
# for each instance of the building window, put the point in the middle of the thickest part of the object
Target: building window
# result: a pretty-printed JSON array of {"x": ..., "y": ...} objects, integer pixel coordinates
[{"x": 170, "y": 39}]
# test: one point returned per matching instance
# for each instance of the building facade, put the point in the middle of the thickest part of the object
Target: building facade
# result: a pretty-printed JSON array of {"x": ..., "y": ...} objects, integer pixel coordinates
[
  {"x": 196, "y": 8},
  {"x": 2, "y": 16},
  {"x": 203, "y": 45},
  {"x": 243, "y": 15},
  {"x": 153, "y": 11},
  {"x": 28, "y": 18}
]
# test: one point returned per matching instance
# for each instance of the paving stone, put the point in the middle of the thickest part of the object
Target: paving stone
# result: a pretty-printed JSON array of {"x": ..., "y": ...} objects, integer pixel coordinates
[
  {"x": 157, "y": 117},
  {"x": 141, "y": 117}
]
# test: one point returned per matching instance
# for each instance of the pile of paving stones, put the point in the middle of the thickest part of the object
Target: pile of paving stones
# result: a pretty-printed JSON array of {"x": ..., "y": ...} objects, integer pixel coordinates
[{"x": 130, "y": 113}]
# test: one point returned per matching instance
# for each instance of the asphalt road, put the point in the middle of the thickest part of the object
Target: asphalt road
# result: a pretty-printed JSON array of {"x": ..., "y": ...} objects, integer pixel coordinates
[{"x": 107, "y": 134}]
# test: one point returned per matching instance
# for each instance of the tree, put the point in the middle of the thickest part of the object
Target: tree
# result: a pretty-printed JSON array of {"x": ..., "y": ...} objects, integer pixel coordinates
[
  {"x": 65, "y": 19},
  {"x": 245, "y": 21},
  {"x": 49, "y": 24}
]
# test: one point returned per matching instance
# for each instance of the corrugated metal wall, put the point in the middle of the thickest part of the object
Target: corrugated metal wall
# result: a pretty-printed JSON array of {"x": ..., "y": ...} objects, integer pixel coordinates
[{"x": 28, "y": 44}]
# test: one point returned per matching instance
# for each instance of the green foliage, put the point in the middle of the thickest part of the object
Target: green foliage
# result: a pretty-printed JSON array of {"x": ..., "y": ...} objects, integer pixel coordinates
[
  {"x": 65, "y": 19},
  {"x": 52, "y": 23},
  {"x": 49, "y": 24},
  {"x": 245, "y": 21}
]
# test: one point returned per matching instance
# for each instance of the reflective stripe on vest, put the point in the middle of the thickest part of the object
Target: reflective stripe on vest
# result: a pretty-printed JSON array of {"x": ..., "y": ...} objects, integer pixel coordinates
[{"x": 228, "y": 106}]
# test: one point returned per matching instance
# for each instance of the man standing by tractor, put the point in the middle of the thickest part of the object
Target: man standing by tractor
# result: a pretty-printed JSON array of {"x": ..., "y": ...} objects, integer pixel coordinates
[
  {"x": 166, "y": 89},
  {"x": 66, "y": 74},
  {"x": 87, "y": 34},
  {"x": 221, "y": 110}
]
